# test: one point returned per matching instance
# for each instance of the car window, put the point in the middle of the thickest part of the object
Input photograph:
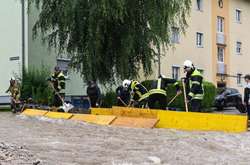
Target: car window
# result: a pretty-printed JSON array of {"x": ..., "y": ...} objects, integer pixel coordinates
[
  {"x": 234, "y": 91},
  {"x": 227, "y": 92}
]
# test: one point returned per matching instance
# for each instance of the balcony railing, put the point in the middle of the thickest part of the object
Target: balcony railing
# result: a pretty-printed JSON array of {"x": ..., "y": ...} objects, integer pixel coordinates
[
  {"x": 221, "y": 68},
  {"x": 221, "y": 39}
]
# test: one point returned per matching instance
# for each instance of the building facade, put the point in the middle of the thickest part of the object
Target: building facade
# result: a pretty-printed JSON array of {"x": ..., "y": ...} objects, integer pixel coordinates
[
  {"x": 11, "y": 42},
  {"x": 216, "y": 41}
]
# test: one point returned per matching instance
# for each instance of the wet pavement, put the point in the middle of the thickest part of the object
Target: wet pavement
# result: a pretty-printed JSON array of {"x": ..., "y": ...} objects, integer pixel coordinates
[{"x": 61, "y": 142}]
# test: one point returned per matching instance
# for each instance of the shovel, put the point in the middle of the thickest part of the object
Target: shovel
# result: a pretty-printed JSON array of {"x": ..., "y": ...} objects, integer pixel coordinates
[
  {"x": 66, "y": 106},
  {"x": 173, "y": 99},
  {"x": 185, "y": 95},
  {"x": 123, "y": 102}
]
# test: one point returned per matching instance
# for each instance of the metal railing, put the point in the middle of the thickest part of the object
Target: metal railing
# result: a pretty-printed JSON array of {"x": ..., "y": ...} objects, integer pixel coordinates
[
  {"x": 221, "y": 39},
  {"x": 221, "y": 68}
]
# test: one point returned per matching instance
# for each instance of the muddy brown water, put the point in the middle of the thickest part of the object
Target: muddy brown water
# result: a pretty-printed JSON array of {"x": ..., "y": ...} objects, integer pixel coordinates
[{"x": 61, "y": 142}]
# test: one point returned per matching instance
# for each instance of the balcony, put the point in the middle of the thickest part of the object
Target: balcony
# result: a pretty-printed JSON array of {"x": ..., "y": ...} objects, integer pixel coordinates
[
  {"x": 220, "y": 39},
  {"x": 221, "y": 68}
]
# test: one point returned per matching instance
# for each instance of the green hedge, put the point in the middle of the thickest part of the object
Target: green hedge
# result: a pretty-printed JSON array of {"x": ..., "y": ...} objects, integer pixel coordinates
[
  {"x": 34, "y": 85},
  {"x": 109, "y": 98}
]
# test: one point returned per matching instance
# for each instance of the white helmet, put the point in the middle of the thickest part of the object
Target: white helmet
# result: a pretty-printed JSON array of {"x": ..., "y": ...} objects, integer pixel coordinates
[
  {"x": 188, "y": 64},
  {"x": 126, "y": 83},
  {"x": 12, "y": 78}
]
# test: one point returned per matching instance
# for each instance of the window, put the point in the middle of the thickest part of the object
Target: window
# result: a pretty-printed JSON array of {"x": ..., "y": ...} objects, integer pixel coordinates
[
  {"x": 175, "y": 35},
  {"x": 175, "y": 72},
  {"x": 220, "y": 54},
  {"x": 64, "y": 65},
  {"x": 199, "y": 5},
  {"x": 220, "y": 24},
  {"x": 238, "y": 15},
  {"x": 199, "y": 39},
  {"x": 239, "y": 78},
  {"x": 220, "y": 3},
  {"x": 238, "y": 47}
]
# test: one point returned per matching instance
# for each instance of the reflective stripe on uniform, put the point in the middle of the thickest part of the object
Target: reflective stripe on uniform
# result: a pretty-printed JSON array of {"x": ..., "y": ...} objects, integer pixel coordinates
[
  {"x": 198, "y": 96},
  {"x": 159, "y": 84},
  {"x": 155, "y": 91},
  {"x": 138, "y": 93},
  {"x": 133, "y": 84},
  {"x": 196, "y": 82},
  {"x": 144, "y": 96},
  {"x": 191, "y": 94}
]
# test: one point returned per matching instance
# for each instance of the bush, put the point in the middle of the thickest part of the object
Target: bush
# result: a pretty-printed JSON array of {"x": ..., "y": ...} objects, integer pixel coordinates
[
  {"x": 34, "y": 85},
  {"x": 109, "y": 99}
]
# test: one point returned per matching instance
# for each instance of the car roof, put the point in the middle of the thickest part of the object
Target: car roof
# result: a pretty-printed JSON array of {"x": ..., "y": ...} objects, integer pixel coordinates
[{"x": 232, "y": 89}]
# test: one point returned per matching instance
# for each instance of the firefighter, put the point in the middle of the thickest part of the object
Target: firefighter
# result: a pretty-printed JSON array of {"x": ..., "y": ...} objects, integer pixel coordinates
[
  {"x": 247, "y": 95},
  {"x": 94, "y": 94},
  {"x": 194, "y": 86},
  {"x": 139, "y": 94},
  {"x": 123, "y": 96},
  {"x": 58, "y": 81},
  {"x": 158, "y": 92},
  {"x": 14, "y": 90}
]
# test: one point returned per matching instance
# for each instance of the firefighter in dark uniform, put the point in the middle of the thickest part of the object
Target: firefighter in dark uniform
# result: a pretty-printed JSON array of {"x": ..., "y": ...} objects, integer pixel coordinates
[
  {"x": 247, "y": 95},
  {"x": 123, "y": 96},
  {"x": 139, "y": 94},
  {"x": 194, "y": 86},
  {"x": 58, "y": 81},
  {"x": 94, "y": 94},
  {"x": 158, "y": 92}
]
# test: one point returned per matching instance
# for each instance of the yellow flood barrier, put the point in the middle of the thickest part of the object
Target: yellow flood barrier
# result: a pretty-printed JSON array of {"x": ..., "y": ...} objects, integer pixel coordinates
[
  {"x": 134, "y": 112},
  {"x": 202, "y": 121},
  {"x": 96, "y": 119},
  {"x": 101, "y": 111},
  {"x": 125, "y": 111},
  {"x": 135, "y": 122},
  {"x": 166, "y": 119},
  {"x": 58, "y": 115},
  {"x": 34, "y": 112}
]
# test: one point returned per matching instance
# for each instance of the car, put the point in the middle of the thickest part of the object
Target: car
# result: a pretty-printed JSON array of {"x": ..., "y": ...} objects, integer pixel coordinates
[{"x": 229, "y": 97}]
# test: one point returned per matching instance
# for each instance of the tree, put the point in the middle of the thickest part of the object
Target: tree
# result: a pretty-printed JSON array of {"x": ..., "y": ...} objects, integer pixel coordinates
[{"x": 110, "y": 38}]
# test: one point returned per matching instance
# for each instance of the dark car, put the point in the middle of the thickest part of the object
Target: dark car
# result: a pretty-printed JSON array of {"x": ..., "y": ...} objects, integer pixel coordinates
[{"x": 229, "y": 97}]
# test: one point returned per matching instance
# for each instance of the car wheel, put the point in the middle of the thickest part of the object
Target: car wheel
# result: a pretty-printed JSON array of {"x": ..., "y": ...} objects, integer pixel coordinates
[
  {"x": 241, "y": 108},
  {"x": 219, "y": 108}
]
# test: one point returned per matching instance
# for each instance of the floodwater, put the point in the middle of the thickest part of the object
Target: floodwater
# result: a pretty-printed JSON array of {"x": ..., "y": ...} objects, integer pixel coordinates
[{"x": 60, "y": 142}]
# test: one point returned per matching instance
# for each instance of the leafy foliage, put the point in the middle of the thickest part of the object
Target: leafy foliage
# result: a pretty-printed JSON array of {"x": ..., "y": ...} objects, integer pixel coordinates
[
  {"x": 35, "y": 86},
  {"x": 110, "y": 38},
  {"x": 109, "y": 99}
]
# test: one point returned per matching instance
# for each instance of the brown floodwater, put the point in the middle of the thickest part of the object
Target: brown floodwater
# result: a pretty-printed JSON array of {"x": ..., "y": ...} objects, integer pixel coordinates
[{"x": 61, "y": 142}]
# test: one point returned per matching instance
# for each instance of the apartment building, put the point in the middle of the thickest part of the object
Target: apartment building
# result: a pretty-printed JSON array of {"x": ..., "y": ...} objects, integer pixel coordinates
[{"x": 216, "y": 41}]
